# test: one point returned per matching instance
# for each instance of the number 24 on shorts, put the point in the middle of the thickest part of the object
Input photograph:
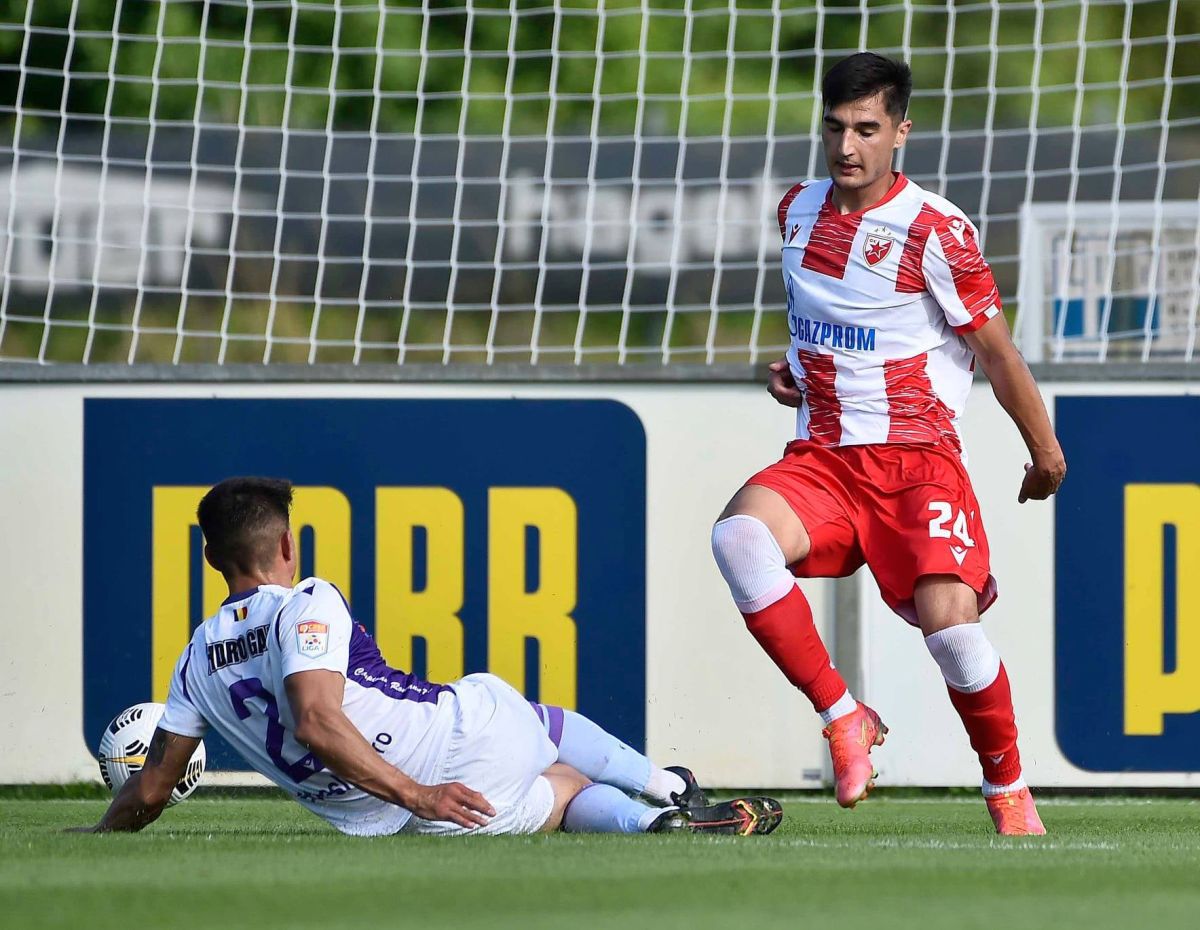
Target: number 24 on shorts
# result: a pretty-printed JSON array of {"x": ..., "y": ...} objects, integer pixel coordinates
[{"x": 937, "y": 528}]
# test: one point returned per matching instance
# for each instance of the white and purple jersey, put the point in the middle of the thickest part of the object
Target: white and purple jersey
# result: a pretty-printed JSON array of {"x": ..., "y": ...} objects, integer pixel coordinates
[{"x": 231, "y": 676}]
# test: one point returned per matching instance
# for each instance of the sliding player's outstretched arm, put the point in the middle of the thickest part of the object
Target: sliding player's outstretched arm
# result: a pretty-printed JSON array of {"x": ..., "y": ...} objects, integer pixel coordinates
[
  {"x": 1018, "y": 394},
  {"x": 146, "y": 792},
  {"x": 315, "y": 698}
]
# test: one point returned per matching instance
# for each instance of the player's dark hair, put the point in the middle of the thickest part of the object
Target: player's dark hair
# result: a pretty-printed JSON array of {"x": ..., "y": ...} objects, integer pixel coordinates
[
  {"x": 865, "y": 75},
  {"x": 242, "y": 519}
]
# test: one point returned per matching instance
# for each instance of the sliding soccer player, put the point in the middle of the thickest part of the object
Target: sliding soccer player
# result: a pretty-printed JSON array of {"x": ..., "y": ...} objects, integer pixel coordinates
[
  {"x": 301, "y": 691},
  {"x": 890, "y": 305}
]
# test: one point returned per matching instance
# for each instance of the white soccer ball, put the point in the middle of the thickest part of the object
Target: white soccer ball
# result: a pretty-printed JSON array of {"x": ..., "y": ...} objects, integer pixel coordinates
[{"x": 124, "y": 745}]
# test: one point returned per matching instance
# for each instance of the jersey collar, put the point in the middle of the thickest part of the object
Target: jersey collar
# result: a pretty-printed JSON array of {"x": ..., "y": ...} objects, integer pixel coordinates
[
  {"x": 898, "y": 185},
  {"x": 240, "y": 596}
]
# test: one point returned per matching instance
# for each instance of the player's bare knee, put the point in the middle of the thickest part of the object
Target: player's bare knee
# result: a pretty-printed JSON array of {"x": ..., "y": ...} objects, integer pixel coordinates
[
  {"x": 770, "y": 509},
  {"x": 566, "y": 782},
  {"x": 943, "y": 601}
]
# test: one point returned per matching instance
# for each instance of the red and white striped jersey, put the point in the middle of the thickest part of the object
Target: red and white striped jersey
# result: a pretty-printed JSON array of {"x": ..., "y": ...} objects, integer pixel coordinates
[{"x": 877, "y": 304}]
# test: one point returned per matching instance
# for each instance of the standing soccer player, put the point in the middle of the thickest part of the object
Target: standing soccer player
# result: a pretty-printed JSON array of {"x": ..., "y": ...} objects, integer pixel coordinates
[{"x": 890, "y": 304}]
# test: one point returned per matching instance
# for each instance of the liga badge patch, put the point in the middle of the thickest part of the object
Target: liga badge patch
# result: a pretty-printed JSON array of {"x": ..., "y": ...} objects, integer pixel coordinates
[
  {"x": 312, "y": 638},
  {"x": 877, "y": 245}
]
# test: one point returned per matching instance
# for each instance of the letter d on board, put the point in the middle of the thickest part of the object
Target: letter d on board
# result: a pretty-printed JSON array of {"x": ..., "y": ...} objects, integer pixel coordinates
[
  {"x": 1150, "y": 691},
  {"x": 544, "y": 614}
]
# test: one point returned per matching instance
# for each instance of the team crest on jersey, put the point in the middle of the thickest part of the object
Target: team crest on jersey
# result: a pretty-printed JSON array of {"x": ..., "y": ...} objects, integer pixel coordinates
[
  {"x": 312, "y": 639},
  {"x": 877, "y": 245}
]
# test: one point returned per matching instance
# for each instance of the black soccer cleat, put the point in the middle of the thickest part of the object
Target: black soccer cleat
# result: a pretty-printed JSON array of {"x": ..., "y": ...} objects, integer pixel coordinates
[
  {"x": 692, "y": 794},
  {"x": 739, "y": 817}
]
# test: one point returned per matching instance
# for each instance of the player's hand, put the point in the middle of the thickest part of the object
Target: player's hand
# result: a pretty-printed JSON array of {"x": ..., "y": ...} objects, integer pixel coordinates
[
  {"x": 452, "y": 802},
  {"x": 781, "y": 385},
  {"x": 1043, "y": 477}
]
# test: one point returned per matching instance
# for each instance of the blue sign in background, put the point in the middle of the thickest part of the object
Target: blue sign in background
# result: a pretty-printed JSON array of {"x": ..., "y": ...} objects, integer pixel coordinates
[
  {"x": 594, "y": 450},
  {"x": 1111, "y": 442}
]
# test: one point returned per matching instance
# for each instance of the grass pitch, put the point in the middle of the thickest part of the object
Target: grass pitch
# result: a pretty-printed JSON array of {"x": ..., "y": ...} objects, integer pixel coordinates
[{"x": 262, "y": 863}]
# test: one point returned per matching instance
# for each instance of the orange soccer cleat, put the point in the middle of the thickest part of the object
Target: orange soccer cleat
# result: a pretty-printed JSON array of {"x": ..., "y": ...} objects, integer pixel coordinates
[
  {"x": 851, "y": 739},
  {"x": 1015, "y": 814}
]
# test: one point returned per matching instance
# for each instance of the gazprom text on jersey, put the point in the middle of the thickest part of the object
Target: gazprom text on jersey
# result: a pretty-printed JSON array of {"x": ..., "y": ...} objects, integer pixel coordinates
[{"x": 834, "y": 335}]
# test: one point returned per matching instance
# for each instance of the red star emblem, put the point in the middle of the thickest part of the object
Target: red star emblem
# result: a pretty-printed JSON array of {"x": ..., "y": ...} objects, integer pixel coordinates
[{"x": 876, "y": 249}]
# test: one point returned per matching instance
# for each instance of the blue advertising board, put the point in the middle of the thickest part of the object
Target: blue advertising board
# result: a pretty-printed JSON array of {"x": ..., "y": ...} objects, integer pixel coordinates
[
  {"x": 468, "y": 535},
  {"x": 1127, "y": 583}
]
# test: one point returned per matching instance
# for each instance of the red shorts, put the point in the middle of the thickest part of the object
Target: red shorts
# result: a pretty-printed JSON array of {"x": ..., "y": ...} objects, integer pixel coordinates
[{"x": 903, "y": 510}]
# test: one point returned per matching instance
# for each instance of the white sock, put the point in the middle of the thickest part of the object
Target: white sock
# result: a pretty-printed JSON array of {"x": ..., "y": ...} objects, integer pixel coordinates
[
  {"x": 991, "y": 791},
  {"x": 840, "y": 708},
  {"x": 604, "y": 809},
  {"x": 662, "y": 784},
  {"x": 968, "y": 660},
  {"x": 751, "y": 562},
  {"x": 652, "y": 815}
]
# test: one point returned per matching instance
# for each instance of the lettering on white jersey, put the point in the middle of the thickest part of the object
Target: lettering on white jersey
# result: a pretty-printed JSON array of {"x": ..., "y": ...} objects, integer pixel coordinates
[
  {"x": 253, "y": 643},
  {"x": 226, "y": 652}
]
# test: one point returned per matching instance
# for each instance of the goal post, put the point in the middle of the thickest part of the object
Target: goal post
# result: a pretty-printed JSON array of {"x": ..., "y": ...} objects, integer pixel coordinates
[{"x": 578, "y": 182}]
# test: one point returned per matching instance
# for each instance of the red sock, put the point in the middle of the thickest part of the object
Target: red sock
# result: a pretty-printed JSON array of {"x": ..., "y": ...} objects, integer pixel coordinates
[
  {"x": 786, "y": 632},
  {"x": 991, "y": 725}
]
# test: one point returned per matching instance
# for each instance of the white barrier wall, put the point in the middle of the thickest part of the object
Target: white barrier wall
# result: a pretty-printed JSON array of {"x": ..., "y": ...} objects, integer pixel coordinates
[{"x": 713, "y": 700}]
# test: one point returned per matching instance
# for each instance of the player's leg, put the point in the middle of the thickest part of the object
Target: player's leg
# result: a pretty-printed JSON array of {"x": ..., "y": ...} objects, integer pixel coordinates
[
  {"x": 794, "y": 519},
  {"x": 947, "y": 609},
  {"x": 754, "y": 541},
  {"x": 927, "y": 547},
  {"x": 585, "y": 806},
  {"x": 566, "y": 783},
  {"x": 581, "y": 806},
  {"x": 601, "y": 757}
]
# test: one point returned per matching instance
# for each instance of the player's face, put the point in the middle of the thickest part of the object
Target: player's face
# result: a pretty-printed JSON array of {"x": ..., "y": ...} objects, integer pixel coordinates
[{"x": 860, "y": 138}]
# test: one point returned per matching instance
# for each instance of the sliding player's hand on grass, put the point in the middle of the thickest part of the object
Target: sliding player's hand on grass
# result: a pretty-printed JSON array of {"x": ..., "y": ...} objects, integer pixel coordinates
[
  {"x": 453, "y": 802},
  {"x": 781, "y": 385}
]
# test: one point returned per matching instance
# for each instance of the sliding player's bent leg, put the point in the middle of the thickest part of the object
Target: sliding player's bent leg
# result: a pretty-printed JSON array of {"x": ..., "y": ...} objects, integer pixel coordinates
[
  {"x": 597, "y": 754},
  {"x": 598, "y": 808},
  {"x": 601, "y": 808},
  {"x": 566, "y": 783},
  {"x": 979, "y": 690}
]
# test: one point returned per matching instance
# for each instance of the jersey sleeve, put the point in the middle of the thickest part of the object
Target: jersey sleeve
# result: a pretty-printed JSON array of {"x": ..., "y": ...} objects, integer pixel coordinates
[
  {"x": 958, "y": 277},
  {"x": 786, "y": 204},
  {"x": 181, "y": 716},
  {"x": 313, "y": 630}
]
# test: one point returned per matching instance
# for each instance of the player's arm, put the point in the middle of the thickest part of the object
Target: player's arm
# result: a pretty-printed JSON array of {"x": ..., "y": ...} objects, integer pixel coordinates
[
  {"x": 315, "y": 698},
  {"x": 146, "y": 792},
  {"x": 1018, "y": 394},
  {"x": 782, "y": 385},
  {"x": 960, "y": 280}
]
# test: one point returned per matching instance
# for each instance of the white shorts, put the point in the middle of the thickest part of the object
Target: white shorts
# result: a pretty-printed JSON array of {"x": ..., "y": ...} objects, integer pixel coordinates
[{"x": 499, "y": 748}]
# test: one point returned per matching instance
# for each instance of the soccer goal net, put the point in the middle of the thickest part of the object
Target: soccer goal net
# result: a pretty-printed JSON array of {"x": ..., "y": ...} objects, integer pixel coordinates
[{"x": 562, "y": 181}]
